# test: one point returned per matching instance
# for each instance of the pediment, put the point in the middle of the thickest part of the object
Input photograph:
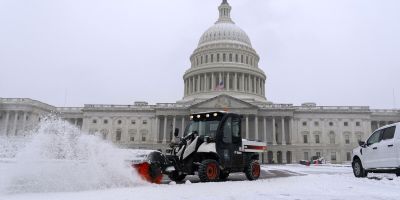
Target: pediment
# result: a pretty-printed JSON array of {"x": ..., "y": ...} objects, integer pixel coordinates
[{"x": 223, "y": 102}]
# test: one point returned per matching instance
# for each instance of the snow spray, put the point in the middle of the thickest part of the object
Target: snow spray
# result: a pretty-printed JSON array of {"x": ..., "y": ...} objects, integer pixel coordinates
[{"x": 58, "y": 157}]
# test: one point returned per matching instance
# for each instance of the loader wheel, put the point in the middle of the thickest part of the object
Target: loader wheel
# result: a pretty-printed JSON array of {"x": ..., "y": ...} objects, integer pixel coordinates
[
  {"x": 209, "y": 171},
  {"x": 253, "y": 170},
  {"x": 175, "y": 176}
]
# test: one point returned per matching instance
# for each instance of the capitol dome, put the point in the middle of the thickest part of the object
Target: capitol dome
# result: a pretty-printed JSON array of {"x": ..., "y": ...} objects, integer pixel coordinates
[
  {"x": 224, "y": 62},
  {"x": 224, "y": 31}
]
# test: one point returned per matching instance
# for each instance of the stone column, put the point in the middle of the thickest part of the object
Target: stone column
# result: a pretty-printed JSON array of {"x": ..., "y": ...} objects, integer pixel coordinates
[
  {"x": 173, "y": 126},
  {"x": 183, "y": 126},
  {"x": 157, "y": 133},
  {"x": 235, "y": 87},
  {"x": 6, "y": 122},
  {"x": 283, "y": 131},
  {"x": 189, "y": 86},
  {"x": 265, "y": 130},
  {"x": 23, "y": 121},
  {"x": 273, "y": 131},
  {"x": 249, "y": 83},
  {"x": 256, "y": 85},
  {"x": 164, "y": 141},
  {"x": 243, "y": 88},
  {"x": 205, "y": 82},
  {"x": 247, "y": 127},
  {"x": 198, "y": 83},
  {"x": 291, "y": 128},
  {"x": 227, "y": 81},
  {"x": 14, "y": 131},
  {"x": 193, "y": 84},
  {"x": 212, "y": 81},
  {"x": 284, "y": 158},
  {"x": 256, "y": 128},
  {"x": 275, "y": 157}
]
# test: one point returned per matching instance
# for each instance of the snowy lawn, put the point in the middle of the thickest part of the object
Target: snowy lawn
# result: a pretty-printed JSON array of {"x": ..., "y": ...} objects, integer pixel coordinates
[{"x": 316, "y": 183}]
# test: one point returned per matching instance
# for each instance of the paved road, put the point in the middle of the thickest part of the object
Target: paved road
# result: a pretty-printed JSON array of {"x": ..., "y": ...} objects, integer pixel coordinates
[{"x": 265, "y": 174}]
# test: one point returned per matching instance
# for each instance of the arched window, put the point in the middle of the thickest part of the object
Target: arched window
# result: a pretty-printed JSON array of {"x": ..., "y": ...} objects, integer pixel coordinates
[
  {"x": 144, "y": 133},
  {"x": 217, "y": 57},
  {"x": 118, "y": 134},
  {"x": 236, "y": 58},
  {"x": 332, "y": 138},
  {"x": 241, "y": 58},
  {"x": 223, "y": 57},
  {"x": 347, "y": 139},
  {"x": 206, "y": 58},
  {"x": 104, "y": 133},
  {"x": 230, "y": 57},
  {"x": 132, "y": 134},
  {"x": 212, "y": 58}
]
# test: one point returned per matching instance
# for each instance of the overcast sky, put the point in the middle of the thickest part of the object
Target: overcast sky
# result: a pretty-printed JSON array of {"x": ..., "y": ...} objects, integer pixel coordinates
[{"x": 332, "y": 52}]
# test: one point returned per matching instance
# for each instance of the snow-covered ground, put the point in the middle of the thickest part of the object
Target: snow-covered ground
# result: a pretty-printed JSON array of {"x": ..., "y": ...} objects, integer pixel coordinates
[
  {"x": 59, "y": 162},
  {"x": 315, "y": 182}
]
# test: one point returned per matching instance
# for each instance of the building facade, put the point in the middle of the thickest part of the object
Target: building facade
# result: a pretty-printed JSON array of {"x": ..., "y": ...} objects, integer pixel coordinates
[{"x": 224, "y": 75}]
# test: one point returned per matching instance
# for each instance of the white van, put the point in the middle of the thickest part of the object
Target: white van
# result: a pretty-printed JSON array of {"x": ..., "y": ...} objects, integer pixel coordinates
[{"x": 380, "y": 153}]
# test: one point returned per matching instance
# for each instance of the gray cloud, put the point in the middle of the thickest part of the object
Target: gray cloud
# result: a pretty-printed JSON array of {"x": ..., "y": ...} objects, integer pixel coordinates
[{"x": 332, "y": 52}]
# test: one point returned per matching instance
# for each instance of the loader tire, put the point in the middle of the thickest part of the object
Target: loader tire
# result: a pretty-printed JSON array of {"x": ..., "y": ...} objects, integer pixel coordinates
[
  {"x": 253, "y": 170},
  {"x": 209, "y": 171},
  {"x": 175, "y": 176}
]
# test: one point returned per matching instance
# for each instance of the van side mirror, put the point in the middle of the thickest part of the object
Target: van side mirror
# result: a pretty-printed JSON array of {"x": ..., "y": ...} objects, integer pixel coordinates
[
  {"x": 176, "y": 132},
  {"x": 361, "y": 143}
]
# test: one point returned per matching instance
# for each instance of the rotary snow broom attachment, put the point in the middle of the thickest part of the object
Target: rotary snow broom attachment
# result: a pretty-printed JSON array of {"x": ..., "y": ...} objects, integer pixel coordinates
[{"x": 150, "y": 167}]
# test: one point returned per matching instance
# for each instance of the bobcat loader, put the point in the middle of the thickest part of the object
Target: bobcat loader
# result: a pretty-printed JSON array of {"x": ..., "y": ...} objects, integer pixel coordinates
[{"x": 212, "y": 148}]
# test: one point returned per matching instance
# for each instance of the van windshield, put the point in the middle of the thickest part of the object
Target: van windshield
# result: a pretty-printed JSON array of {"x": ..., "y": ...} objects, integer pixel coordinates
[{"x": 203, "y": 128}]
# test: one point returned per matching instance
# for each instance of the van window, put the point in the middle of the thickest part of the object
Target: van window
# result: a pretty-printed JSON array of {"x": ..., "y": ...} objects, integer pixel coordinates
[
  {"x": 375, "y": 138},
  {"x": 388, "y": 133}
]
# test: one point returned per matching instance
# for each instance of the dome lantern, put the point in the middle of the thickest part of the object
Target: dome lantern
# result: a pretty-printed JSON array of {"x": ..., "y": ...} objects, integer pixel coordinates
[{"x": 225, "y": 13}]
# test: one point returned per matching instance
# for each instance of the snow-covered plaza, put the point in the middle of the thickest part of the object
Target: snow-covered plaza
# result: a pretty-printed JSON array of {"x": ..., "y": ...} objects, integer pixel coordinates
[{"x": 294, "y": 182}]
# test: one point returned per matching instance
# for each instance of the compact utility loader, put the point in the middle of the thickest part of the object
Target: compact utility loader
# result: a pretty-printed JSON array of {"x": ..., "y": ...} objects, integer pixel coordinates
[{"x": 212, "y": 147}]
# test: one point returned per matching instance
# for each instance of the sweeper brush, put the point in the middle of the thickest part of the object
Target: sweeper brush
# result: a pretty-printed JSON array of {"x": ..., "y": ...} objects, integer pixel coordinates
[{"x": 148, "y": 172}]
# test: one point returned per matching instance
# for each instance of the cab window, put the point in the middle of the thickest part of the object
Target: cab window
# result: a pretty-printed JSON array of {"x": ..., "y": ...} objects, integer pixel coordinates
[
  {"x": 375, "y": 138},
  {"x": 388, "y": 133},
  {"x": 227, "y": 131}
]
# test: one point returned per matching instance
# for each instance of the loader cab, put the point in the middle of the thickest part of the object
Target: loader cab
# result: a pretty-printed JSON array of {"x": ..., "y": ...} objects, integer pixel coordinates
[{"x": 225, "y": 130}]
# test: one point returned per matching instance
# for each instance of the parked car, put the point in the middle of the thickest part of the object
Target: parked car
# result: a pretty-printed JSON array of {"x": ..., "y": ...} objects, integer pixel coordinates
[{"x": 380, "y": 153}]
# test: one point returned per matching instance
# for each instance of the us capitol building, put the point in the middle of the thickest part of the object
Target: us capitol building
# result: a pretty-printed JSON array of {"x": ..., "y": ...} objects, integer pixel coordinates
[{"x": 224, "y": 75}]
